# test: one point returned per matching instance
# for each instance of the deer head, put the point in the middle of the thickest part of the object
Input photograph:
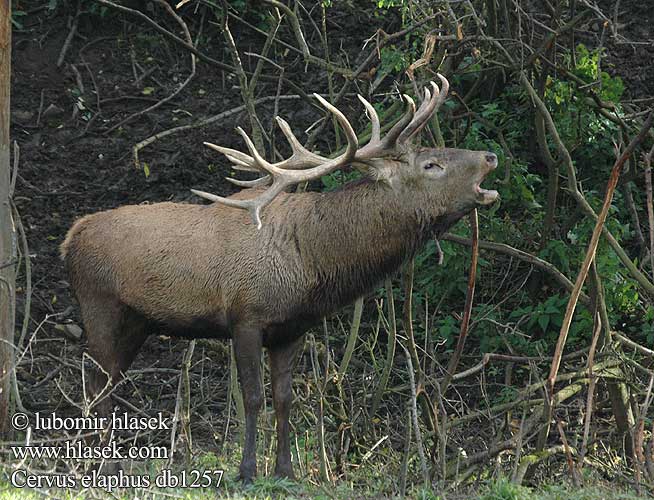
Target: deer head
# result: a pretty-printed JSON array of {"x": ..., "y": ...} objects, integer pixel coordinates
[{"x": 420, "y": 174}]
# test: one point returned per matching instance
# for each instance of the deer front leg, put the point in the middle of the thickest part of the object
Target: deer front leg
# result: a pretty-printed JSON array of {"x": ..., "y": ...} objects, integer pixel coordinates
[
  {"x": 282, "y": 360},
  {"x": 247, "y": 349}
]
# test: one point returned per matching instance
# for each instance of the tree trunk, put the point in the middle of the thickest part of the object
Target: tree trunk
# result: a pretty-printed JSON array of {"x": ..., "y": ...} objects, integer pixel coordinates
[{"x": 7, "y": 232}]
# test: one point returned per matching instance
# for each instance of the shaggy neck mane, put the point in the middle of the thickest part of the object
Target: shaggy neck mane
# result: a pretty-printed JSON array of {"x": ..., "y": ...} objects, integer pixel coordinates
[{"x": 355, "y": 237}]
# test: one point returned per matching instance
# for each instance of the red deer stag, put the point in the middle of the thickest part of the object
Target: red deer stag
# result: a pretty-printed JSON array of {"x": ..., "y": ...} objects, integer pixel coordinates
[{"x": 212, "y": 271}]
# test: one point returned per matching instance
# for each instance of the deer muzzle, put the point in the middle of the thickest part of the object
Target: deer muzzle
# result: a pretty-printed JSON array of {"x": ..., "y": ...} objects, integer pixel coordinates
[{"x": 486, "y": 196}]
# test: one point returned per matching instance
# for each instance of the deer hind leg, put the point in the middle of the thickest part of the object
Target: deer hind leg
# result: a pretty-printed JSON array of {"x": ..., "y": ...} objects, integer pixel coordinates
[
  {"x": 115, "y": 334},
  {"x": 282, "y": 362},
  {"x": 247, "y": 349}
]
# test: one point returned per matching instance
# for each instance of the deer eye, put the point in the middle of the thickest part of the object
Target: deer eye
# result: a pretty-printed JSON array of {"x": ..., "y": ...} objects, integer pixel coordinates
[{"x": 432, "y": 165}]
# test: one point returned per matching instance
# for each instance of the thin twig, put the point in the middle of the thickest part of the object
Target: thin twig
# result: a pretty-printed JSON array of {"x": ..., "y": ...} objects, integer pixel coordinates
[
  {"x": 467, "y": 312},
  {"x": 633, "y": 345},
  {"x": 639, "y": 437},
  {"x": 351, "y": 340},
  {"x": 71, "y": 34},
  {"x": 27, "y": 307},
  {"x": 650, "y": 208},
  {"x": 390, "y": 349},
  {"x": 407, "y": 318},
  {"x": 568, "y": 454},
  {"x": 414, "y": 414},
  {"x": 591, "y": 391},
  {"x": 14, "y": 170},
  {"x": 40, "y": 112}
]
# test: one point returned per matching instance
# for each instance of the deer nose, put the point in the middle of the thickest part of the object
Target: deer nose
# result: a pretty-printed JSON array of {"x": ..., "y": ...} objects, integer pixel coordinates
[{"x": 491, "y": 159}]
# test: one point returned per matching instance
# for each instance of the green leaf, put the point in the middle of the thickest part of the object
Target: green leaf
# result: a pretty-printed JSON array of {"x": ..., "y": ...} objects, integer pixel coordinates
[{"x": 543, "y": 322}]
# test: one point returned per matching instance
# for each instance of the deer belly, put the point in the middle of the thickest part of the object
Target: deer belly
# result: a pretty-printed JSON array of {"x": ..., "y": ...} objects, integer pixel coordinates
[{"x": 199, "y": 327}]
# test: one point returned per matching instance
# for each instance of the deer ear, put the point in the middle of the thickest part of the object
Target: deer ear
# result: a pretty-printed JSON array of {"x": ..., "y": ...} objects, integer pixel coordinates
[{"x": 375, "y": 169}]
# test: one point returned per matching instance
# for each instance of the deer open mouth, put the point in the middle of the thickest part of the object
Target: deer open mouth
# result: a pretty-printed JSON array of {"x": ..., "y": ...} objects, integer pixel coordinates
[{"x": 485, "y": 196}]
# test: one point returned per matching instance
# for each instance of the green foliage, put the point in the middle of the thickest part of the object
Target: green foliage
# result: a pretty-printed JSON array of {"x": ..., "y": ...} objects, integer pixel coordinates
[
  {"x": 265, "y": 487},
  {"x": 648, "y": 325},
  {"x": 575, "y": 120},
  {"x": 336, "y": 179},
  {"x": 393, "y": 60},
  {"x": 257, "y": 16},
  {"x": 543, "y": 315},
  {"x": 209, "y": 461},
  {"x": 506, "y": 490},
  {"x": 503, "y": 489},
  {"x": 426, "y": 494},
  {"x": 97, "y": 9},
  {"x": 587, "y": 68},
  {"x": 544, "y": 320},
  {"x": 237, "y": 5},
  {"x": 557, "y": 252},
  {"x": 387, "y": 4},
  {"x": 448, "y": 329}
]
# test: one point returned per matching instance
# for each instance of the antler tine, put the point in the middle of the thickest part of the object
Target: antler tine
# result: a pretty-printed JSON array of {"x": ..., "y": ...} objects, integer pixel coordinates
[
  {"x": 301, "y": 156},
  {"x": 253, "y": 205},
  {"x": 426, "y": 100},
  {"x": 244, "y": 168},
  {"x": 380, "y": 146},
  {"x": 259, "y": 161},
  {"x": 261, "y": 181},
  {"x": 445, "y": 88},
  {"x": 429, "y": 106},
  {"x": 374, "y": 120},
  {"x": 215, "y": 197},
  {"x": 240, "y": 165},
  {"x": 389, "y": 141},
  {"x": 347, "y": 128},
  {"x": 423, "y": 114},
  {"x": 240, "y": 160},
  {"x": 232, "y": 155}
]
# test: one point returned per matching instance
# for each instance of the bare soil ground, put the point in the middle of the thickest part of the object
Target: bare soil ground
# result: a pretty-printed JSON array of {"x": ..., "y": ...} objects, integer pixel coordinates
[{"x": 631, "y": 55}]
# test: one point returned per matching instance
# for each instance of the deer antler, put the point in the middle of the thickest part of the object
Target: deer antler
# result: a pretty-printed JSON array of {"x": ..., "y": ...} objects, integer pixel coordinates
[
  {"x": 284, "y": 174},
  {"x": 429, "y": 106},
  {"x": 303, "y": 165}
]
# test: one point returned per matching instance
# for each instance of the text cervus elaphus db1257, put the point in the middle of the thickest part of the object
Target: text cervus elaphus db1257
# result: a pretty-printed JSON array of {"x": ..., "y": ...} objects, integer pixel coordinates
[{"x": 263, "y": 275}]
